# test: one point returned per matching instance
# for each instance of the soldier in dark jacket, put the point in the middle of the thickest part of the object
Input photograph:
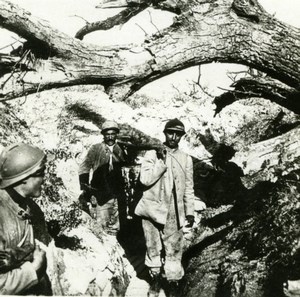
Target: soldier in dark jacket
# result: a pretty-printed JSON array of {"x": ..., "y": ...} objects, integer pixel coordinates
[{"x": 105, "y": 189}]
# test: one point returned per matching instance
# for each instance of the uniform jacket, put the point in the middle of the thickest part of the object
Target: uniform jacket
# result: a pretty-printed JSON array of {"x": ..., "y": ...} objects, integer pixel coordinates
[
  {"x": 159, "y": 179},
  {"x": 106, "y": 183},
  {"x": 15, "y": 232}
]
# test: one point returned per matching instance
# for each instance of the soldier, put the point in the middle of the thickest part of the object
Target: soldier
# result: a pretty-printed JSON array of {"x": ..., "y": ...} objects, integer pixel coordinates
[
  {"x": 107, "y": 186},
  {"x": 22, "y": 262},
  {"x": 167, "y": 202}
]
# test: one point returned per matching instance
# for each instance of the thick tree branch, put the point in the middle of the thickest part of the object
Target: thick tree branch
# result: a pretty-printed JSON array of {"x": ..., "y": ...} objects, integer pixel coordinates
[
  {"x": 205, "y": 31},
  {"x": 169, "y": 5},
  {"x": 269, "y": 159},
  {"x": 119, "y": 19},
  {"x": 249, "y": 9},
  {"x": 260, "y": 87},
  {"x": 133, "y": 8},
  {"x": 35, "y": 31},
  {"x": 122, "y": 3},
  {"x": 7, "y": 63}
]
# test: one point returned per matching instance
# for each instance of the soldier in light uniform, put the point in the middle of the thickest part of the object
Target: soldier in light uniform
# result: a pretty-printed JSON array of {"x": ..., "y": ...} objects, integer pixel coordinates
[{"x": 168, "y": 200}]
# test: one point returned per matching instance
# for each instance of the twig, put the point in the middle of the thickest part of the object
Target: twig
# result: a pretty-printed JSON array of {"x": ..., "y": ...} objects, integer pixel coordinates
[
  {"x": 17, "y": 39},
  {"x": 25, "y": 96},
  {"x": 151, "y": 22},
  {"x": 240, "y": 92},
  {"x": 77, "y": 16},
  {"x": 142, "y": 29},
  {"x": 8, "y": 45},
  {"x": 233, "y": 74},
  {"x": 176, "y": 89},
  {"x": 198, "y": 83},
  {"x": 14, "y": 68}
]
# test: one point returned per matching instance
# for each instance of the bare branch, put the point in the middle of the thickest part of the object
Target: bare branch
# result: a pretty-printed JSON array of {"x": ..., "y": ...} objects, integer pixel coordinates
[
  {"x": 112, "y": 4},
  {"x": 24, "y": 56},
  {"x": 266, "y": 88},
  {"x": 80, "y": 17},
  {"x": 146, "y": 34},
  {"x": 119, "y": 19},
  {"x": 193, "y": 39},
  {"x": 9, "y": 45},
  {"x": 151, "y": 22},
  {"x": 198, "y": 83}
]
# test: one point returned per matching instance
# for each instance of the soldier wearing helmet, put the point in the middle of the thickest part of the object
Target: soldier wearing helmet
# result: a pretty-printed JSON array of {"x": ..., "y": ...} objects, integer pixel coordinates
[
  {"x": 22, "y": 262},
  {"x": 105, "y": 189},
  {"x": 167, "y": 203}
]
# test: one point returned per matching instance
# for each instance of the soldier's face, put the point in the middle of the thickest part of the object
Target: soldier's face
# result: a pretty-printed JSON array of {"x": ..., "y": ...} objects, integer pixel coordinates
[
  {"x": 110, "y": 137},
  {"x": 36, "y": 186},
  {"x": 33, "y": 184},
  {"x": 172, "y": 138}
]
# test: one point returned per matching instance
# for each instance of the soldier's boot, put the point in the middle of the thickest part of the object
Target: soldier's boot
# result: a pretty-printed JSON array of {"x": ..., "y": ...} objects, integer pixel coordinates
[
  {"x": 172, "y": 289},
  {"x": 155, "y": 286}
]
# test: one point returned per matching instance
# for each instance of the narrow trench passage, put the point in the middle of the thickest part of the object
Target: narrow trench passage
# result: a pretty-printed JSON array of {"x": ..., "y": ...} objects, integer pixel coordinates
[{"x": 133, "y": 244}]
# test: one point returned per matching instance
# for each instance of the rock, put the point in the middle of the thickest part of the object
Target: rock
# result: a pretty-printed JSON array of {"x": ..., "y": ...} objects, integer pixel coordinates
[
  {"x": 292, "y": 288},
  {"x": 67, "y": 170},
  {"x": 92, "y": 267},
  {"x": 269, "y": 159}
]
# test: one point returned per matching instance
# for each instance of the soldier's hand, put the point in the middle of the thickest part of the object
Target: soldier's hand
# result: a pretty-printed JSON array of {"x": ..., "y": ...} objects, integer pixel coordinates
[
  {"x": 190, "y": 221},
  {"x": 161, "y": 154},
  {"x": 199, "y": 205},
  {"x": 93, "y": 201},
  {"x": 85, "y": 188},
  {"x": 85, "y": 195},
  {"x": 7, "y": 260},
  {"x": 39, "y": 261}
]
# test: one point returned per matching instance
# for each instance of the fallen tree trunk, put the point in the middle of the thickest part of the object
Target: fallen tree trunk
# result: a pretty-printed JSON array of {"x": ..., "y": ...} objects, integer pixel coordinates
[
  {"x": 269, "y": 159},
  {"x": 206, "y": 31},
  {"x": 265, "y": 88}
]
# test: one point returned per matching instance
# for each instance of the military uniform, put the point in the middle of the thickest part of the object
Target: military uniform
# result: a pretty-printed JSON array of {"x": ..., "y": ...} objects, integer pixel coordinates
[
  {"x": 16, "y": 233},
  {"x": 106, "y": 184},
  {"x": 167, "y": 200},
  {"x": 22, "y": 263}
]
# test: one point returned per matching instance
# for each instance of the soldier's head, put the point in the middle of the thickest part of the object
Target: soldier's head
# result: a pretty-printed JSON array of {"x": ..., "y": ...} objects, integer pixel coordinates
[
  {"x": 110, "y": 131},
  {"x": 174, "y": 130},
  {"x": 22, "y": 167}
]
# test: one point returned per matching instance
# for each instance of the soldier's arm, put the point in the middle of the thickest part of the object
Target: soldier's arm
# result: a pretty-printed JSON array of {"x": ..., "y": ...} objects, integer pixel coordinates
[
  {"x": 12, "y": 258},
  {"x": 86, "y": 166},
  {"x": 18, "y": 280},
  {"x": 152, "y": 168},
  {"x": 189, "y": 195}
]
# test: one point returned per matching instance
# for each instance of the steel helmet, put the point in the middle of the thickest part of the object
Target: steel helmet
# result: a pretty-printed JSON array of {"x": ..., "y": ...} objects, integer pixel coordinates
[
  {"x": 110, "y": 125},
  {"x": 175, "y": 125},
  {"x": 19, "y": 161}
]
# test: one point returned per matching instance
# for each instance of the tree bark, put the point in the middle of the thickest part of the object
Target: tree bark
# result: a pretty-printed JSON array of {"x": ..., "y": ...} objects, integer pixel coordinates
[
  {"x": 265, "y": 88},
  {"x": 269, "y": 159},
  {"x": 118, "y": 19},
  {"x": 205, "y": 31}
]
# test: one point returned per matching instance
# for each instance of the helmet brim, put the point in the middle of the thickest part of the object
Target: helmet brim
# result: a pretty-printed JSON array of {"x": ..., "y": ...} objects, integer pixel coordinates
[
  {"x": 113, "y": 128},
  {"x": 174, "y": 129}
]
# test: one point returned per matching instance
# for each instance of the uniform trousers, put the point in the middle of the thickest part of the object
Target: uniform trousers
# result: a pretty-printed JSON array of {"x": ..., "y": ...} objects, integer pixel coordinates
[
  {"x": 107, "y": 215},
  {"x": 165, "y": 245}
]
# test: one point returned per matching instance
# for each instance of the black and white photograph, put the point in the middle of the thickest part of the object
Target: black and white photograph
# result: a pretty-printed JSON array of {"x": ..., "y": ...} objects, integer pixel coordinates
[{"x": 150, "y": 148}]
